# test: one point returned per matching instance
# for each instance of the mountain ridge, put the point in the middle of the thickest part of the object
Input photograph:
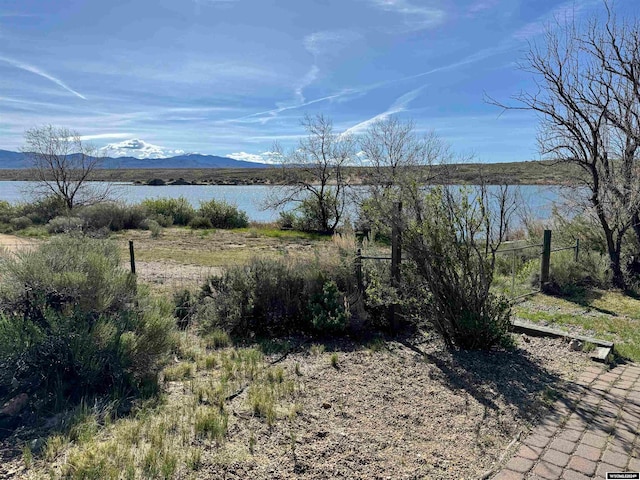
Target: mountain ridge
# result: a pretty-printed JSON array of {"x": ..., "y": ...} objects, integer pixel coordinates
[{"x": 10, "y": 160}]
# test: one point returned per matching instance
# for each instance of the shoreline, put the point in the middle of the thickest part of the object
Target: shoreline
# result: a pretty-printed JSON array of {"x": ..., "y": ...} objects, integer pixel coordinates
[{"x": 514, "y": 173}]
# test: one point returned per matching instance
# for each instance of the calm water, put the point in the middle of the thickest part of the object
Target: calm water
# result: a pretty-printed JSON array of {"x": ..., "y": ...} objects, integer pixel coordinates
[{"x": 250, "y": 197}]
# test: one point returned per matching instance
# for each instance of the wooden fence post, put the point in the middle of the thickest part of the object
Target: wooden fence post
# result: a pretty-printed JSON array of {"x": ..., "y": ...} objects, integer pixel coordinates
[
  {"x": 396, "y": 257},
  {"x": 545, "y": 261},
  {"x": 358, "y": 265},
  {"x": 132, "y": 257}
]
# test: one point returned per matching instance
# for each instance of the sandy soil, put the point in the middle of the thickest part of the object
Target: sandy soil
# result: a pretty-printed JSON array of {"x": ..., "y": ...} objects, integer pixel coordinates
[{"x": 13, "y": 243}]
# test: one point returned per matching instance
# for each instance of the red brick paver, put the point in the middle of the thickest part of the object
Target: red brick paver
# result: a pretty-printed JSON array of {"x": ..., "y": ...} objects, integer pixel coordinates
[{"x": 592, "y": 430}]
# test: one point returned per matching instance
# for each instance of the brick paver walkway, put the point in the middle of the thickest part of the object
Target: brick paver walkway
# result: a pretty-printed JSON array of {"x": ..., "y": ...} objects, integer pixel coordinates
[{"x": 592, "y": 430}]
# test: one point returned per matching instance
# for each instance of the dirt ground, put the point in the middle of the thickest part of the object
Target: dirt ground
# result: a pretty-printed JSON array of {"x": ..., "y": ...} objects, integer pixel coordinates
[
  {"x": 404, "y": 412},
  {"x": 13, "y": 243}
]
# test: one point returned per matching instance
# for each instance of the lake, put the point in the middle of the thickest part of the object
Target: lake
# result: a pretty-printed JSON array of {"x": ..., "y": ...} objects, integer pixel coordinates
[{"x": 250, "y": 197}]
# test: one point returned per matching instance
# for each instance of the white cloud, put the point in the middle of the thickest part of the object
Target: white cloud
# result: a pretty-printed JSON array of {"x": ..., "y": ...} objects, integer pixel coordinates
[
  {"x": 416, "y": 17},
  {"x": 37, "y": 71},
  {"x": 481, "y": 6},
  {"x": 307, "y": 80},
  {"x": 139, "y": 149},
  {"x": 101, "y": 136},
  {"x": 264, "y": 157},
  {"x": 400, "y": 105},
  {"x": 328, "y": 42}
]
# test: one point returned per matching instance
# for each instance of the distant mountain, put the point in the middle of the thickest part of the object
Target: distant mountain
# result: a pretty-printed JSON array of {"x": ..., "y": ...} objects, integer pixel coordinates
[{"x": 17, "y": 160}]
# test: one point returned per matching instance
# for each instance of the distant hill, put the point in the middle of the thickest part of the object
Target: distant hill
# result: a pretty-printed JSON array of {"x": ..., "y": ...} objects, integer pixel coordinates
[{"x": 18, "y": 160}]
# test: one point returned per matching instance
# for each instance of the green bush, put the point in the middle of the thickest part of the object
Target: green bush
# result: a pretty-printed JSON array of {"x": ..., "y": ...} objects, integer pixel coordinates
[
  {"x": 276, "y": 297},
  {"x": 178, "y": 209},
  {"x": 43, "y": 210},
  {"x": 113, "y": 216},
  {"x": 65, "y": 225},
  {"x": 20, "y": 223},
  {"x": 329, "y": 314},
  {"x": 154, "y": 227},
  {"x": 286, "y": 220},
  {"x": 184, "y": 303},
  {"x": 568, "y": 277},
  {"x": 199, "y": 222},
  {"x": 451, "y": 241},
  {"x": 7, "y": 211},
  {"x": 307, "y": 216},
  {"x": 223, "y": 215},
  {"x": 72, "y": 323},
  {"x": 164, "y": 221}
]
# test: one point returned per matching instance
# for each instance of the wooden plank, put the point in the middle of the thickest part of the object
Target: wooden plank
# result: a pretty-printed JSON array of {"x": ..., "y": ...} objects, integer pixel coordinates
[
  {"x": 543, "y": 331},
  {"x": 601, "y": 354}
]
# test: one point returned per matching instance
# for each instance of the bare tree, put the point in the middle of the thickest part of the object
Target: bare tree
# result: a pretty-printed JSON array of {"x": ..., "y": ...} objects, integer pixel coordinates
[
  {"x": 315, "y": 174},
  {"x": 587, "y": 101},
  {"x": 399, "y": 164},
  {"x": 63, "y": 166}
]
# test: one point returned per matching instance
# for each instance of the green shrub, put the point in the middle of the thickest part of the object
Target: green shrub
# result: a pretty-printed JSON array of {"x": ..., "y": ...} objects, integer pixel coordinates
[
  {"x": 286, "y": 220},
  {"x": 162, "y": 220},
  {"x": 112, "y": 216},
  {"x": 184, "y": 305},
  {"x": 451, "y": 241},
  {"x": 178, "y": 209},
  {"x": 329, "y": 312},
  {"x": 307, "y": 216},
  {"x": 7, "y": 212},
  {"x": 223, "y": 215},
  {"x": 43, "y": 210},
  {"x": 65, "y": 225},
  {"x": 199, "y": 222},
  {"x": 72, "y": 323},
  {"x": 568, "y": 277},
  {"x": 154, "y": 227},
  {"x": 276, "y": 297},
  {"x": 20, "y": 223}
]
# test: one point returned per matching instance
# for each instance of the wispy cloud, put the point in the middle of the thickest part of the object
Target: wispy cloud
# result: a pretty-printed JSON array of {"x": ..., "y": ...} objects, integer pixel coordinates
[
  {"x": 329, "y": 42},
  {"x": 481, "y": 6},
  {"x": 565, "y": 12},
  {"x": 307, "y": 80},
  {"x": 35, "y": 70},
  {"x": 400, "y": 105},
  {"x": 416, "y": 17},
  {"x": 263, "y": 117}
]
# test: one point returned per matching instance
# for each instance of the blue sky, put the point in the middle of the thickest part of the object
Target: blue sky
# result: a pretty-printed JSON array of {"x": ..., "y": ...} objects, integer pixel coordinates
[{"x": 230, "y": 77}]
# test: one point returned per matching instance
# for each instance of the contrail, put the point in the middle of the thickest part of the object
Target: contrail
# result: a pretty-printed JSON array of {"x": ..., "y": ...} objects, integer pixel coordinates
[{"x": 37, "y": 71}]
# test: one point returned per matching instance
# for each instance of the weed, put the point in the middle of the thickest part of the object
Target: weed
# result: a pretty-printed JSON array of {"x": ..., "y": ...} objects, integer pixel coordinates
[
  {"x": 377, "y": 345},
  {"x": 549, "y": 395},
  {"x": 27, "y": 456},
  {"x": 217, "y": 339},
  {"x": 334, "y": 360},
  {"x": 181, "y": 371},
  {"x": 54, "y": 445},
  {"x": 194, "y": 459},
  {"x": 252, "y": 443},
  {"x": 211, "y": 423},
  {"x": 317, "y": 349},
  {"x": 262, "y": 401}
]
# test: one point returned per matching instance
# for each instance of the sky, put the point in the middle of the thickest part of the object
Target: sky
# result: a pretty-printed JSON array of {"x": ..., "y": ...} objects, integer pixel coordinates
[{"x": 152, "y": 78}]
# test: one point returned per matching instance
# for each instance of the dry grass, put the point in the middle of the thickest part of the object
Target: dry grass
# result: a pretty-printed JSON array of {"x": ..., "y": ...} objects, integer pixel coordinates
[
  {"x": 386, "y": 411},
  {"x": 609, "y": 315}
]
